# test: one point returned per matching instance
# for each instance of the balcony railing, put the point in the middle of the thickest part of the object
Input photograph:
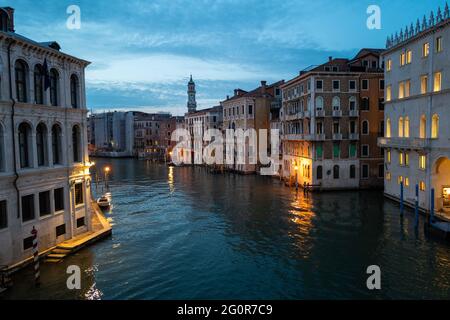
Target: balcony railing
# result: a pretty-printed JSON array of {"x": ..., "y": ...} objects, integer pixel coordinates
[
  {"x": 404, "y": 143},
  {"x": 320, "y": 113},
  {"x": 353, "y": 113},
  {"x": 337, "y": 136},
  {"x": 353, "y": 136},
  {"x": 319, "y": 137},
  {"x": 337, "y": 113}
]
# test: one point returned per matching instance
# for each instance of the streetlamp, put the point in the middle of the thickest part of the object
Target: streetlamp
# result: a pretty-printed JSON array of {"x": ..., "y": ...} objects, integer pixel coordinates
[{"x": 106, "y": 171}]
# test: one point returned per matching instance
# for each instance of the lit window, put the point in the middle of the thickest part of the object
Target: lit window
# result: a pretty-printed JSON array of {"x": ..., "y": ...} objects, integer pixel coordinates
[
  {"x": 422, "y": 162},
  {"x": 408, "y": 57},
  {"x": 401, "y": 159},
  {"x": 437, "y": 81},
  {"x": 406, "y": 130},
  {"x": 406, "y": 159},
  {"x": 388, "y": 128},
  {"x": 439, "y": 44},
  {"x": 435, "y": 127},
  {"x": 388, "y": 176},
  {"x": 402, "y": 59},
  {"x": 401, "y": 90},
  {"x": 426, "y": 49},
  {"x": 388, "y": 156},
  {"x": 423, "y": 127},
  {"x": 406, "y": 182},
  {"x": 424, "y": 84},
  {"x": 389, "y": 93},
  {"x": 389, "y": 65},
  {"x": 407, "y": 88},
  {"x": 400, "y": 179},
  {"x": 401, "y": 128},
  {"x": 422, "y": 186}
]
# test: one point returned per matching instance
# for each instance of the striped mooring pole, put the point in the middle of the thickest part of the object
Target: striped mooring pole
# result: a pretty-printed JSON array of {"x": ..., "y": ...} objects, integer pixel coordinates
[{"x": 37, "y": 273}]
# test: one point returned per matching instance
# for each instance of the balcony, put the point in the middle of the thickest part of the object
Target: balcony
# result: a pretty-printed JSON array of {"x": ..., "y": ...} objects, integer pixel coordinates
[
  {"x": 320, "y": 113},
  {"x": 353, "y": 113},
  {"x": 353, "y": 136},
  {"x": 293, "y": 137},
  {"x": 318, "y": 137},
  {"x": 337, "y": 113},
  {"x": 404, "y": 143},
  {"x": 337, "y": 136}
]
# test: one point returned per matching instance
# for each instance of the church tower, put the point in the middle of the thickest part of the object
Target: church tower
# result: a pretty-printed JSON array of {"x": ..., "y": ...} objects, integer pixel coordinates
[{"x": 192, "y": 104}]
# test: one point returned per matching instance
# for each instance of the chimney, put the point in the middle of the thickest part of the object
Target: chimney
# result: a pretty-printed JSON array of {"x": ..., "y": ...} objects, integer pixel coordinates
[
  {"x": 330, "y": 58},
  {"x": 236, "y": 93},
  {"x": 10, "y": 12},
  {"x": 228, "y": 97},
  {"x": 263, "y": 86}
]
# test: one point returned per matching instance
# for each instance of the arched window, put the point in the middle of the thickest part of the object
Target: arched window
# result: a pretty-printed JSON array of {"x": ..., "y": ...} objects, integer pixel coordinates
[
  {"x": 401, "y": 128},
  {"x": 38, "y": 85},
  {"x": 319, "y": 173},
  {"x": 352, "y": 171},
  {"x": 336, "y": 172},
  {"x": 388, "y": 128},
  {"x": 76, "y": 140},
  {"x": 407, "y": 133},
  {"x": 2, "y": 149},
  {"x": 423, "y": 127},
  {"x": 24, "y": 145},
  {"x": 41, "y": 144},
  {"x": 319, "y": 103},
  {"x": 336, "y": 103},
  {"x": 54, "y": 86},
  {"x": 365, "y": 127},
  {"x": 74, "y": 91},
  {"x": 352, "y": 104},
  {"x": 435, "y": 127},
  {"x": 56, "y": 144},
  {"x": 21, "y": 81}
]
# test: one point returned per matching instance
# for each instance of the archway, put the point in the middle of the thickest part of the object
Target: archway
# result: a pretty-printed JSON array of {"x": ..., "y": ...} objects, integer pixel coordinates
[{"x": 441, "y": 184}]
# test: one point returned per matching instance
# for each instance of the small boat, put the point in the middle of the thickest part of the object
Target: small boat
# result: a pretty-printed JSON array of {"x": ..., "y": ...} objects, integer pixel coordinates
[{"x": 104, "y": 202}]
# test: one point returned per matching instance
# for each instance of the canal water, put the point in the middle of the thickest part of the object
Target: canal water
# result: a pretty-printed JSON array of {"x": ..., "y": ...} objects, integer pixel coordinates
[{"x": 183, "y": 233}]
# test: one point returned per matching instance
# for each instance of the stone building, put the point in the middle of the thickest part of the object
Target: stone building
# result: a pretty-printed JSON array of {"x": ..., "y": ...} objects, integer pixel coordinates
[
  {"x": 331, "y": 117},
  {"x": 44, "y": 164},
  {"x": 417, "y": 135}
]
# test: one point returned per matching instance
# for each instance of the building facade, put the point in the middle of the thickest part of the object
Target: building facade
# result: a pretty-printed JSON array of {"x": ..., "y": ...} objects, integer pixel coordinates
[
  {"x": 250, "y": 110},
  {"x": 44, "y": 164},
  {"x": 111, "y": 134},
  {"x": 331, "y": 117},
  {"x": 416, "y": 141}
]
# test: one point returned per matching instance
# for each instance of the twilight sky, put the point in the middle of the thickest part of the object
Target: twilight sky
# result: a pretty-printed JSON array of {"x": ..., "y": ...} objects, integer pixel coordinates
[{"x": 142, "y": 52}]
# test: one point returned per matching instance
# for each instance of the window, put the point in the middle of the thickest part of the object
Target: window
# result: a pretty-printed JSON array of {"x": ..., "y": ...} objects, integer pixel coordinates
[
  {"x": 352, "y": 104},
  {"x": 381, "y": 104},
  {"x": 406, "y": 159},
  {"x": 402, "y": 59},
  {"x": 382, "y": 84},
  {"x": 2, "y": 150},
  {"x": 74, "y": 91},
  {"x": 319, "y": 151},
  {"x": 408, "y": 57},
  {"x": 54, "y": 79},
  {"x": 401, "y": 158},
  {"x": 388, "y": 93},
  {"x": 380, "y": 170},
  {"x": 80, "y": 222},
  {"x": 401, "y": 128},
  {"x": 352, "y": 127},
  {"x": 388, "y": 176},
  {"x": 439, "y": 44},
  {"x": 352, "y": 171},
  {"x": 400, "y": 179},
  {"x": 336, "y": 104},
  {"x": 28, "y": 243},
  {"x": 365, "y": 127},
  {"x": 38, "y": 85},
  {"x": 56, "y": 144},
  {"x": 422, "y": 162},
  {"x": 250, "y": 109},
  {"x": 437, "y": 82},
  {"x": 423, "y": 127},
  {"x": 401, "y": 90},
  {"x": 336, "y": 128},
  {"x": 336, "y": 85},
  {"x": 406, "y": 182},
  {"x": 435, "y": 127},
  {"x": 424, "y": 84},
  {"x": 44, "y": 203},
  {"x": 76, "y": 144},
  {"x": 3, "y": 214},
  {"x": 407, "y": 88},
  {"x": 365, "y": 84},
  {"x": 406, "y": 130},
  {"x": 60, "y": 230},
  {"x": 28, "y": 208},
  {"x": 336, "y": 150},
  {"x": 365, "y": 104},
  {"x": 41, "y": 144},
  {"x": 21, "y": 81},
  {"x": 422, "y": 186},
  {"x": 388, "y": 156},
  {"x": 79, "y": 199},
  {"x": 365, "y": 150},
  {"x": 388, "y": 128},
  {"x": 24, "y": 145},
  {"x": 425, "y": 49},
  {"x": 365, "y": 171},
  {"x": 352, "y": 85},
  {"x": 319, "y": 172},
  {"x": 319, "y": 85},
  {"x": 352, "y": 150},
  {"x": 319, "y": 103},
  {"x": 336, "y": 172},
  {"x": 389, "y": 65},
  {"x": 59, "y": 199}
]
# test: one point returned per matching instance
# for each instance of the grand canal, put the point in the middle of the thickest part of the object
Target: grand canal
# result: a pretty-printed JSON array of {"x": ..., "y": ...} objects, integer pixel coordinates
[{"x": 183, "y": 233}]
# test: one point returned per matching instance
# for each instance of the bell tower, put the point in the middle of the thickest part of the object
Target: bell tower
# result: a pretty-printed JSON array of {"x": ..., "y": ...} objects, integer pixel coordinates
[{"x": 192, "y": 104}]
